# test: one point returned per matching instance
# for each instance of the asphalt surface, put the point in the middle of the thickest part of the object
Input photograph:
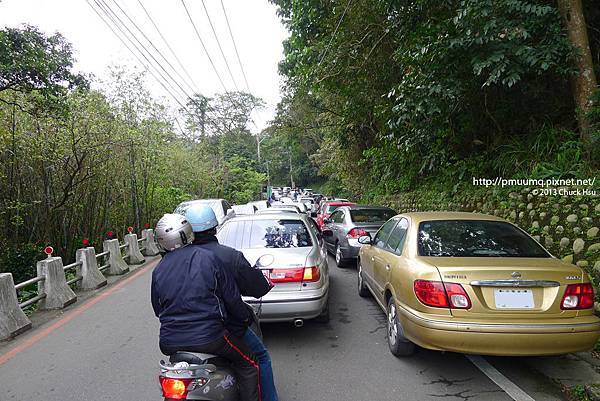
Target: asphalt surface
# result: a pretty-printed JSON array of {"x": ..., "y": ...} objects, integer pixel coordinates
[{"x": 108, "y": 350}]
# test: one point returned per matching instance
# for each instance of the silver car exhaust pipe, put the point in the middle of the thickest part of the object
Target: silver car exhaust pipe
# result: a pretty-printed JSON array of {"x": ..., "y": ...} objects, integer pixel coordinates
[{"x": 298, "y": 322}]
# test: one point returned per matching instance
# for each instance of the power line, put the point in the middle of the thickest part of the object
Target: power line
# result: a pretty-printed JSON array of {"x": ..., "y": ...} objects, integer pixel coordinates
[
  {"x": 238, "y": 57},
  {"x": 203, "y": 46},
  {"x": 235, "y": 46},
  {"x": 168, "y": 46},
  {"x": 156, "y": 49},
  {"x": 219, "y": 44},
  {"x": 112, "y": 15},
  {"x": 132, "y": 52},
  {"x": 334, "y": 32}
]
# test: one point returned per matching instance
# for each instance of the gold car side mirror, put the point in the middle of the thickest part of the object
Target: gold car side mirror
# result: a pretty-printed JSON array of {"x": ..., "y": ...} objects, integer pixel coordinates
[{"x": 365, "y": 240}]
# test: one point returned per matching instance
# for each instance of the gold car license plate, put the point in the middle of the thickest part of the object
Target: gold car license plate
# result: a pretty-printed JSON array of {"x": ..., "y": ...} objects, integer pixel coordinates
[{"x": 513, "y": 298}]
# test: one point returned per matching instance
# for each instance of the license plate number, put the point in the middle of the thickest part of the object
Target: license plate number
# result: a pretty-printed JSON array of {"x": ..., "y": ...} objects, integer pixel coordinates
[{"x": 513, "y": 298}]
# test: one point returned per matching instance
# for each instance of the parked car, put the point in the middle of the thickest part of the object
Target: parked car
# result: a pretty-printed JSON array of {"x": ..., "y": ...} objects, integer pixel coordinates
[
  {"x": 475, "y": 284},
  {"x": 259, "y": 205},
  {"x": 221, "y": 207},
  {"x": 286, "y": 206},
  {"x": 309, "y": 202},
  {"x": 301, "y": 206},
  {"x": 246, "y": 209},
  {"x": 327, "y": 208},
  {"x": 299, "y": 270},
  {"x": 276, "y": 211},
  {"x": 348, "y": 224}
]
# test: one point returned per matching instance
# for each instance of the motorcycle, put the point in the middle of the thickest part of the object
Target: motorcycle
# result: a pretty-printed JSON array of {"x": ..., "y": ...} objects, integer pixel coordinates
[{"x": 200, "y": 376}]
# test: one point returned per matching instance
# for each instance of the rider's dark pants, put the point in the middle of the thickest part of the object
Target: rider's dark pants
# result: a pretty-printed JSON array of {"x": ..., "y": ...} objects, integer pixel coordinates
[{"x": 243, "y": 362}]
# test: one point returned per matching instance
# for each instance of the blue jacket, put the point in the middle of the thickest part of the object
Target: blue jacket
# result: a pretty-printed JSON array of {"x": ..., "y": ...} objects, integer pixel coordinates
[
  {"x": 194, "y": 296},
  {"x": 249, "y": 280}
]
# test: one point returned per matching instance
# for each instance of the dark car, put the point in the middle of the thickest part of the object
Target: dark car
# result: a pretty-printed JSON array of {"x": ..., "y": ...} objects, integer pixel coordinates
[
  {"x": 348, "y": 223},
  {"x": 327, "y": 208}
]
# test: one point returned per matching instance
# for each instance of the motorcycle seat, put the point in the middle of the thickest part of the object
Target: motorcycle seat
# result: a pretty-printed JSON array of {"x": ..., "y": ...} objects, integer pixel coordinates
[{"x": 196, "y": 358}]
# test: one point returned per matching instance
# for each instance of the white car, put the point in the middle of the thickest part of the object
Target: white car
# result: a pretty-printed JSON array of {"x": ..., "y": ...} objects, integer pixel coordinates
[
  {"x": 244, "y": 210},
  {"x": 286, "y": 206},
  {"x": 259, "y": 205},
  {"x": 301, "y": 206},
  {"x": 223, "y": 211},
  {"x": 309, "y": 202}
]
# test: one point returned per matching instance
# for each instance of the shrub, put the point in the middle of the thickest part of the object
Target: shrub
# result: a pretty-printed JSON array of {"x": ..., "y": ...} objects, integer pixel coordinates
[{"x": 20, "y": 260}]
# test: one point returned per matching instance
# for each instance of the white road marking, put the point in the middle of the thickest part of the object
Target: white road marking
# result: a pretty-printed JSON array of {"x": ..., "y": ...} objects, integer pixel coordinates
[{"x": 510, "y": 388}]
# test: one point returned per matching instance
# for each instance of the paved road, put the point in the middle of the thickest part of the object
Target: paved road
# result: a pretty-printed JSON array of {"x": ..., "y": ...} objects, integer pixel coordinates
[{"x": 108, "y": 350}]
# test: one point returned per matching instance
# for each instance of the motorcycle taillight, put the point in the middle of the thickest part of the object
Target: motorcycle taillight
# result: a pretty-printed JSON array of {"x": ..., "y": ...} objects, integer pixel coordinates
[{"x": 174, "y": 389}]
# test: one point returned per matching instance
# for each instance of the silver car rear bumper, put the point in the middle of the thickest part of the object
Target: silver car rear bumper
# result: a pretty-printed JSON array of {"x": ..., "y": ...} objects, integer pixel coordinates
[
  {"x": 352, "y": 248},
  {"x": 286, "y": 306}
]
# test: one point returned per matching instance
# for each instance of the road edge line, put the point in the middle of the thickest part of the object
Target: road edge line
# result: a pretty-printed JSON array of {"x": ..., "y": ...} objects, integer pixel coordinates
[
  {"x": 515, "y": 392},
  {"x": 70, "y": 315}
]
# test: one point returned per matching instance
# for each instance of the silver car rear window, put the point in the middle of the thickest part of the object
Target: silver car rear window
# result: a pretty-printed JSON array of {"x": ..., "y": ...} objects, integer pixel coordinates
[{"x": 276, "y": 233}]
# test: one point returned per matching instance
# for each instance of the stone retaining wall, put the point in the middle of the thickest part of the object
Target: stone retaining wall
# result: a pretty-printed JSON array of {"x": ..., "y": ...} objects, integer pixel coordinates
[{"x": 568, "y": 226}]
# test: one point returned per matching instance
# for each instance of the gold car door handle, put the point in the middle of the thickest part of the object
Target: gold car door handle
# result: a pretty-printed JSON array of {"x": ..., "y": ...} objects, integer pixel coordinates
[{"x": 387, "y": 267}]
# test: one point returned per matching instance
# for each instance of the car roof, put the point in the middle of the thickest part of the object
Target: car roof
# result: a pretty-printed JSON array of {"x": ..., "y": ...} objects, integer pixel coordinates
[
  {"x": 358, "y": 207},
  {"x": 418, "y": 217},
  {"x": 210, "y": 200},
  {"x": 270, "y": 216},
  {"x": 275, "y": 211},
  {"x": 338, "y": 203}
]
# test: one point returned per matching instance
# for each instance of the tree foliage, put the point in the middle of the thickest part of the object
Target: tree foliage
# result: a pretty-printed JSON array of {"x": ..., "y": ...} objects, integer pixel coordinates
[
  {"x": 81, "y": 157},
  {"x": 399, "y": 92}
]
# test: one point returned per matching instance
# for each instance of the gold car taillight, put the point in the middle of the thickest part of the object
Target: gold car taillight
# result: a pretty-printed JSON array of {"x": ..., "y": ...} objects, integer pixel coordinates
[
  {"x": 578, "y": 296},
  {"x": 442, "y": 295}
]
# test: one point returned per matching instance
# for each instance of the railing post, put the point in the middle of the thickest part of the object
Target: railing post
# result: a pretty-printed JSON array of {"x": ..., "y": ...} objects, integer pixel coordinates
[
  {"x": 134, "y": 255},
  {"x": 116, "y": 263},
  {"x": 58, "y": 293},
  {"x": 150, "y": 248},
  {"x": 12, "y": 319},
  {"x": 92, "y": 278}
]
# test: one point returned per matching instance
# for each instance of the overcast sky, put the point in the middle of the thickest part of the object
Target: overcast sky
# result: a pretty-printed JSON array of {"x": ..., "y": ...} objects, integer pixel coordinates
[{"x": 255, "y": 25}]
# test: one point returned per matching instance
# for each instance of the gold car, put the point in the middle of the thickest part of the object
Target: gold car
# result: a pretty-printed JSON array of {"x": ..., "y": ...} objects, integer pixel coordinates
[{"x": 476, "y": 284}]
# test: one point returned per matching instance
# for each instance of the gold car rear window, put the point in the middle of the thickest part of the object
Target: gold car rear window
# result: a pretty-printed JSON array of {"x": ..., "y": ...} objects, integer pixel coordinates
[{"x": 476, "y": 238}]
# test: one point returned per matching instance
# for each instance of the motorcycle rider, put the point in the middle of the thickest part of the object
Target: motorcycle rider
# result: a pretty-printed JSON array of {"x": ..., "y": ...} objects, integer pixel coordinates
[
  {"x": 194, "y": 296},
  {"x": 250, "y": 281}
]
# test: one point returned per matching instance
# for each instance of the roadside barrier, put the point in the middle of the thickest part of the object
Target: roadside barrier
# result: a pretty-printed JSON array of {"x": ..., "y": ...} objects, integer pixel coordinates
[
  {"x": 113, "y": 257},
  {"x": 55, "y": 292},
  {"x": 134, "y": 256},
  {"x": 149, "y": 247}
]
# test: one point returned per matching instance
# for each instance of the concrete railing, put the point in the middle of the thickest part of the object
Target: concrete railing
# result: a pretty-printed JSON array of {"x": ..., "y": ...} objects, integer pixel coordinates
[{"x": 53, "y": 289}]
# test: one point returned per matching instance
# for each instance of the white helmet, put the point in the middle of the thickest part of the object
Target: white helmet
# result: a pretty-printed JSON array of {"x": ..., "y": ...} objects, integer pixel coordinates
[{"x": 173, "y": 231}]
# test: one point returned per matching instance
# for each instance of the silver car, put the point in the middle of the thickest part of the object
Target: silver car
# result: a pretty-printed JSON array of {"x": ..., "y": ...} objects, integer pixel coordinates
[
  {"x": 347, "y": 224},
  {"x": 299, "y": 270}
]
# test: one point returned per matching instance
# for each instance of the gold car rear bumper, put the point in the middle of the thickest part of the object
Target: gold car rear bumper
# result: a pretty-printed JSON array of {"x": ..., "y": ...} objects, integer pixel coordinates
[{"x": 502, "y": 339}]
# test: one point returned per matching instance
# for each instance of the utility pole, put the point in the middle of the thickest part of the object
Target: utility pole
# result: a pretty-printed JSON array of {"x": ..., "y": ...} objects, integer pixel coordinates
[
  {"x": 291, "y": 175},
  {"x": 268, "y": 174},
  {"x": 258, "y": 142}
]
